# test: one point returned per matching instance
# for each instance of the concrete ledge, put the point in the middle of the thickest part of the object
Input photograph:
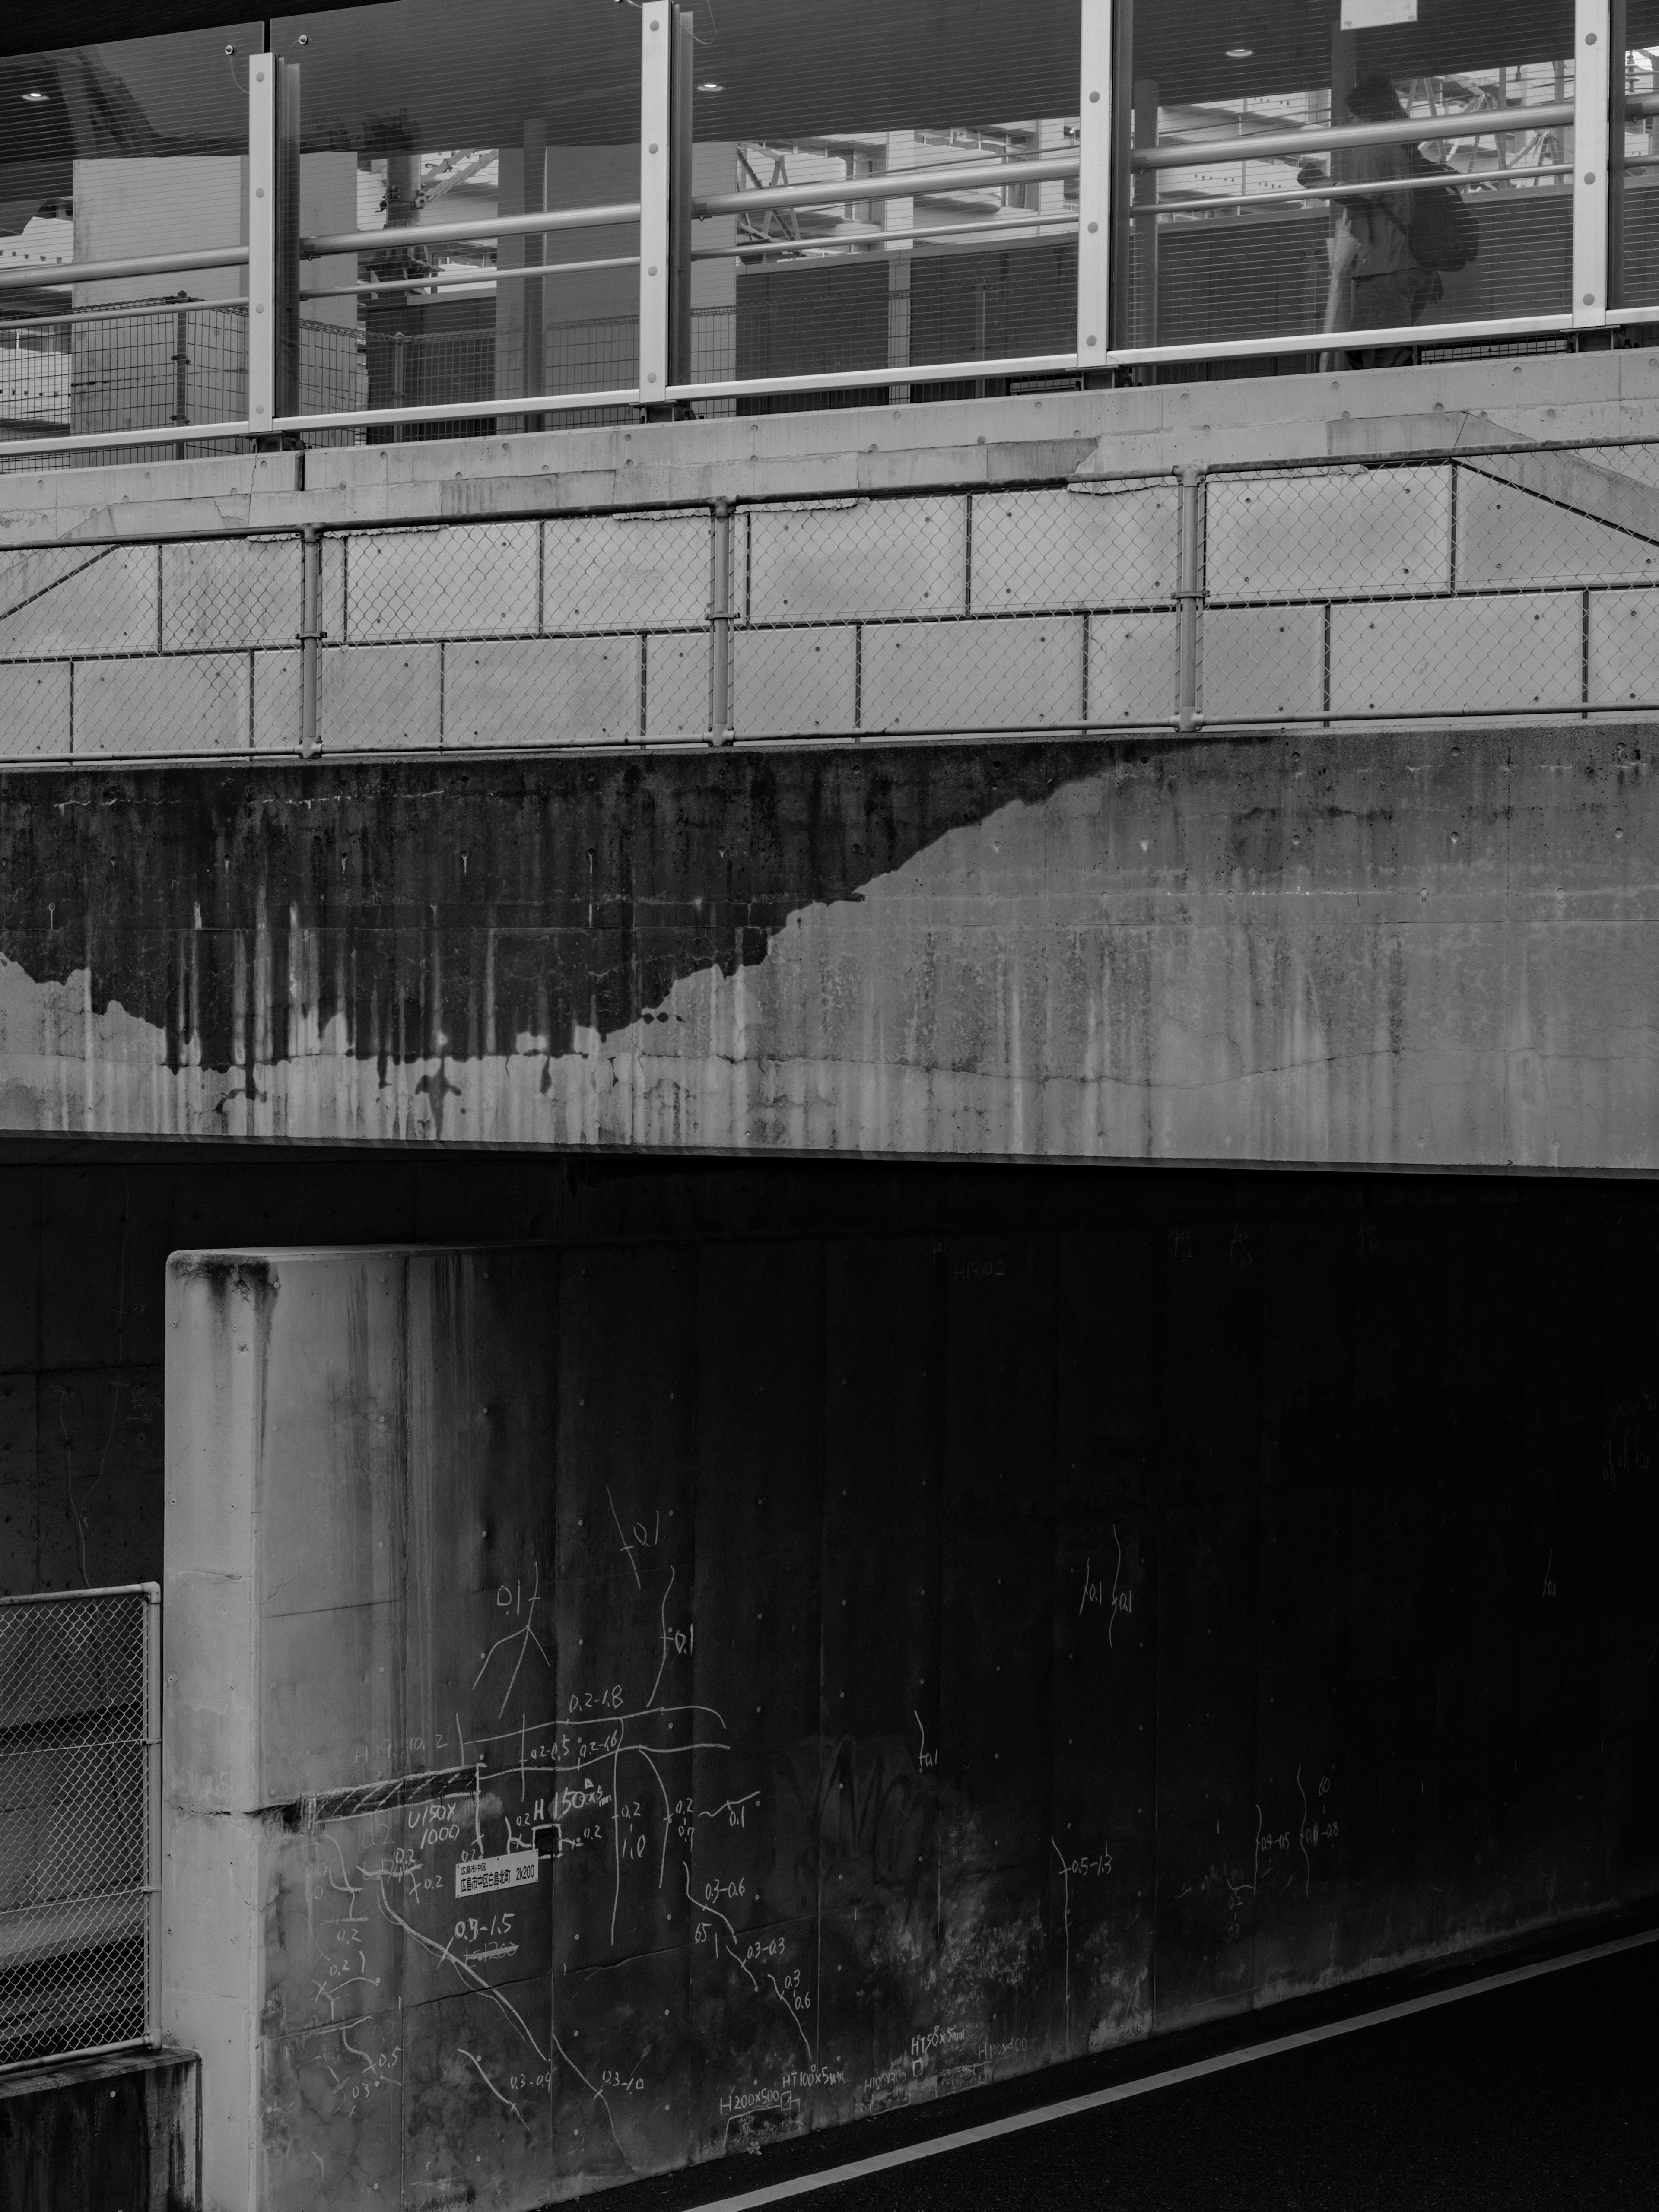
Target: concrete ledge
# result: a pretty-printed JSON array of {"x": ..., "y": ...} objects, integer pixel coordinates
[
  {"x": 109, "y": 2134},
  {"x": 842, "y": 451}
]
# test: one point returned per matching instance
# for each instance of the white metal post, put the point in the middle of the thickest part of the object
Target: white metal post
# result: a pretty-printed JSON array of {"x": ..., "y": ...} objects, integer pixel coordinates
[
  {"x": 1593, "y": 64},
  {"x": 656, "y": 27},
  {"x": 262, "y": 242},
  {"x": 1094, "y": 188}
]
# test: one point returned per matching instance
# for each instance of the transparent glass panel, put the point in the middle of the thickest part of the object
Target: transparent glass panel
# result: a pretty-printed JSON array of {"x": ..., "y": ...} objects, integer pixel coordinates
[
  {"x": 840, "y": 94},
  {"x": 1238, "y": 219},
  {"x": 1634, "y": 214},
  {"x": 419, "y": 113},
  {"x": 111, "y": 152}
]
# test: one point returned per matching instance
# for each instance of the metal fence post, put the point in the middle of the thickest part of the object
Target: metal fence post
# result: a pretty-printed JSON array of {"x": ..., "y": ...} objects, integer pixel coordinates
[
  {"x": 152, "y": 1593},
  {"x": 1593, "y": 64},
  {"x": 1094, "y": 188},
  {"x": 1188, "y": 593},
  {"x": 262, "y": 244},
  {"x": 720, "y": 731},
  {"x": 285, "y": 321},
  {"x": 655, "y": 116},
  {"x": 180, "y": 378},
  {"x": 311, "y": 556}
]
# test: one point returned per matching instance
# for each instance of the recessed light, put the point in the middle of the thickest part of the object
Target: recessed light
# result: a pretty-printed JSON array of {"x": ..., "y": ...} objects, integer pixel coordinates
[
  {"x": 1240, "y": 53},
  {"x": 33, "y": 96},
  {"x": 710, "y": 87}
]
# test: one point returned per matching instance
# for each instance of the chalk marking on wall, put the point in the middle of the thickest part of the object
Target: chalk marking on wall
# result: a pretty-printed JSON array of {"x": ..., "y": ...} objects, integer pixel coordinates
[
  {"x": 1065, "y": 1922},
  {"x": 627, "y": 1549},
  {"x": 1111, "y": 1619},
  {"x": 615, "y": 1838},
  {"x": 493, "y": 2090},
  {"x": 834, "y": 2177},
  {"x": 663, "y": 1621},
  {"x": 667, "y": 1813},
  {"x": 1302, "y": 1838},
  {"x": 602, "y": 1720},
  {"x": 442, "y": 1952},
  {"x": 523, "y": 1638},
  {"x": 793, "y": 2014},
  {"x": 731, "y": 1805},
  {"x": 709, "y": 1911}
]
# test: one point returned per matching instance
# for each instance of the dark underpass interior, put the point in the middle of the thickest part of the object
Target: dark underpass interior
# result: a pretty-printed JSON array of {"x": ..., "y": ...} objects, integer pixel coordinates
[{"x": 1250, "y": 1573}]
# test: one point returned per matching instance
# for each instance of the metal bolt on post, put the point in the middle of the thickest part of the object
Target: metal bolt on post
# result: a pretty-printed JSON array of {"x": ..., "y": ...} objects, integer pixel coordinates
[
  {"x": 1188, "y": 593},
  {"x": 720, "y": 731},
  {"x": 311, "y": 555}
]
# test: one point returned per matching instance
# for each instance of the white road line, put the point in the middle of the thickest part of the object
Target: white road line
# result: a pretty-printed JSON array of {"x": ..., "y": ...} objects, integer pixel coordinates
[{"x": 832, "y": 2177}]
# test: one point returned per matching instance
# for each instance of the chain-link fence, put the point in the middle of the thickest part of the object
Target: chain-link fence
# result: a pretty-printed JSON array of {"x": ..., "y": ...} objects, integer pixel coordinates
[
  {"x": 142, "y": 365},
  {"x": 1521, "y": 580},
  {"x": 79, "y": 1741}
]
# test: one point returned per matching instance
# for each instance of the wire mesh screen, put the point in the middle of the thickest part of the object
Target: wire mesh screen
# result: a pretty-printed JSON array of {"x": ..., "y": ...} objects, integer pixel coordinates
[
  {"x": 145, "y": 365},
  {"x": 1523, "y": 579},
  {"x": 421, "y": 367},
  {"x": 1511, "y": 582},
  {"x": 79, "y": 1769},
  {"x": 145, "y": 649},
  {"x": 1040, "y": 609}
]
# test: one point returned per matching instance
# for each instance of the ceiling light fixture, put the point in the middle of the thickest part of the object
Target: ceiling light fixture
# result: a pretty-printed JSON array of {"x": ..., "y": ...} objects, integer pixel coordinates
[
  {"x": 34, "y": 95},
  {"x": 710, "y": 87},
  {"x": 1240, "y": 53}
]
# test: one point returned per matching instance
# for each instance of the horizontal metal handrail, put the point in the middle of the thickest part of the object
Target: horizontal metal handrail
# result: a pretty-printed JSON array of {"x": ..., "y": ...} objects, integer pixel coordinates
[
  {"x": 95, "y": 442},
  {"x": 1312, "y": 196},
  {"x": 855, "y": 380},
  {"x": 1022, "y": 224},
  {"x": 453, "y": 411},
  {"x": 446, "y": 233},
  {"x": 106, "y": 312},
  {"x": 890, "y": 184},
  {"x": 439, "y": 283},
  {"x": 1356, "y": 341},
  {"x": 1486, "y": 123},
  {"x": 49, "y": 277},
  {"x": 151, "y": 1591}
]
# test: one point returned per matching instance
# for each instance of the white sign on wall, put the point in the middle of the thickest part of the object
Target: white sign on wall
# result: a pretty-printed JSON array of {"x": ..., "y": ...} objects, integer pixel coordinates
[
  {"x": 1371, "y": 15},
  {"x": 478, "y": 1877}
]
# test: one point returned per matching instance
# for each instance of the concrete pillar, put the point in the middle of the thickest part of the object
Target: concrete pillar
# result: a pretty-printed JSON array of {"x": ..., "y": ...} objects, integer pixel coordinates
[{"x": 358, "y": 1467}]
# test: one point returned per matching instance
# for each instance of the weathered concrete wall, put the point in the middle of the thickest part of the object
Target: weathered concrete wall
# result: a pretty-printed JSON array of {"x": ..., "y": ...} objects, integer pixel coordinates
[
  {"x": 889, "y": 1663},
  {"x": 1434, "y": 950},
  {"x": 117, "y": 2135}
]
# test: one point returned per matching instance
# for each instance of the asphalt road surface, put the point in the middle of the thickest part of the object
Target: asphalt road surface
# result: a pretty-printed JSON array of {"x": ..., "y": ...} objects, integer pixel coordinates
[{"x": 1539, "y": 2096}]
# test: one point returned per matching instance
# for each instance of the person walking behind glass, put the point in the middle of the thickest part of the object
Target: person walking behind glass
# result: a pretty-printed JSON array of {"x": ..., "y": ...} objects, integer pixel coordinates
[{"x": 1376, "y": 281}]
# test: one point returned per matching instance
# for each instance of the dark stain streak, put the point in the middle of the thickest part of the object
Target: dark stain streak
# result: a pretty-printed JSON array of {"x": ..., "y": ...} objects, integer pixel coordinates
[{"x": 591, "y": 887}]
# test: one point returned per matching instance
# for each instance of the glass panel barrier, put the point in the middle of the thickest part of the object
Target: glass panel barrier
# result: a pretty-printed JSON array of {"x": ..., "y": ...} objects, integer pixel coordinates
[
  {"x": 418, "y": 116},
  {"x": 840, "y": 95},
  {"x": 133, "y": 151},
  {"x": 1633, "y": 164},
  {"x": 1329, "y": 166}
]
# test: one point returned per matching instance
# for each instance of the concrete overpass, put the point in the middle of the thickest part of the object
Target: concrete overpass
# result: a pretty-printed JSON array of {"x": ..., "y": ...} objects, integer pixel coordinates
[{"x": 659, "y": 1087}]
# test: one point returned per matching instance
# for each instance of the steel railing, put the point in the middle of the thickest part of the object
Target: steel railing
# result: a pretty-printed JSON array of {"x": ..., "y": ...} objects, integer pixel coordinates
[
  {"x": 1487, "y": 582},
  {"x": 1106, "y": 169},
  {"x": 80, "y": 1822}
]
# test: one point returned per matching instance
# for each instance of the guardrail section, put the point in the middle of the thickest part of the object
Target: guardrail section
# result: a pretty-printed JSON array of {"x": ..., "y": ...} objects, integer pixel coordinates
[{"x": 80, "y": 1809}]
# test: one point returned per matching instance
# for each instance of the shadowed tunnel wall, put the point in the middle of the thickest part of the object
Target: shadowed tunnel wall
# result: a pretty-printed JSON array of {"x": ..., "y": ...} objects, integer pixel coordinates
[{"x": 1116, "y": 1599}]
